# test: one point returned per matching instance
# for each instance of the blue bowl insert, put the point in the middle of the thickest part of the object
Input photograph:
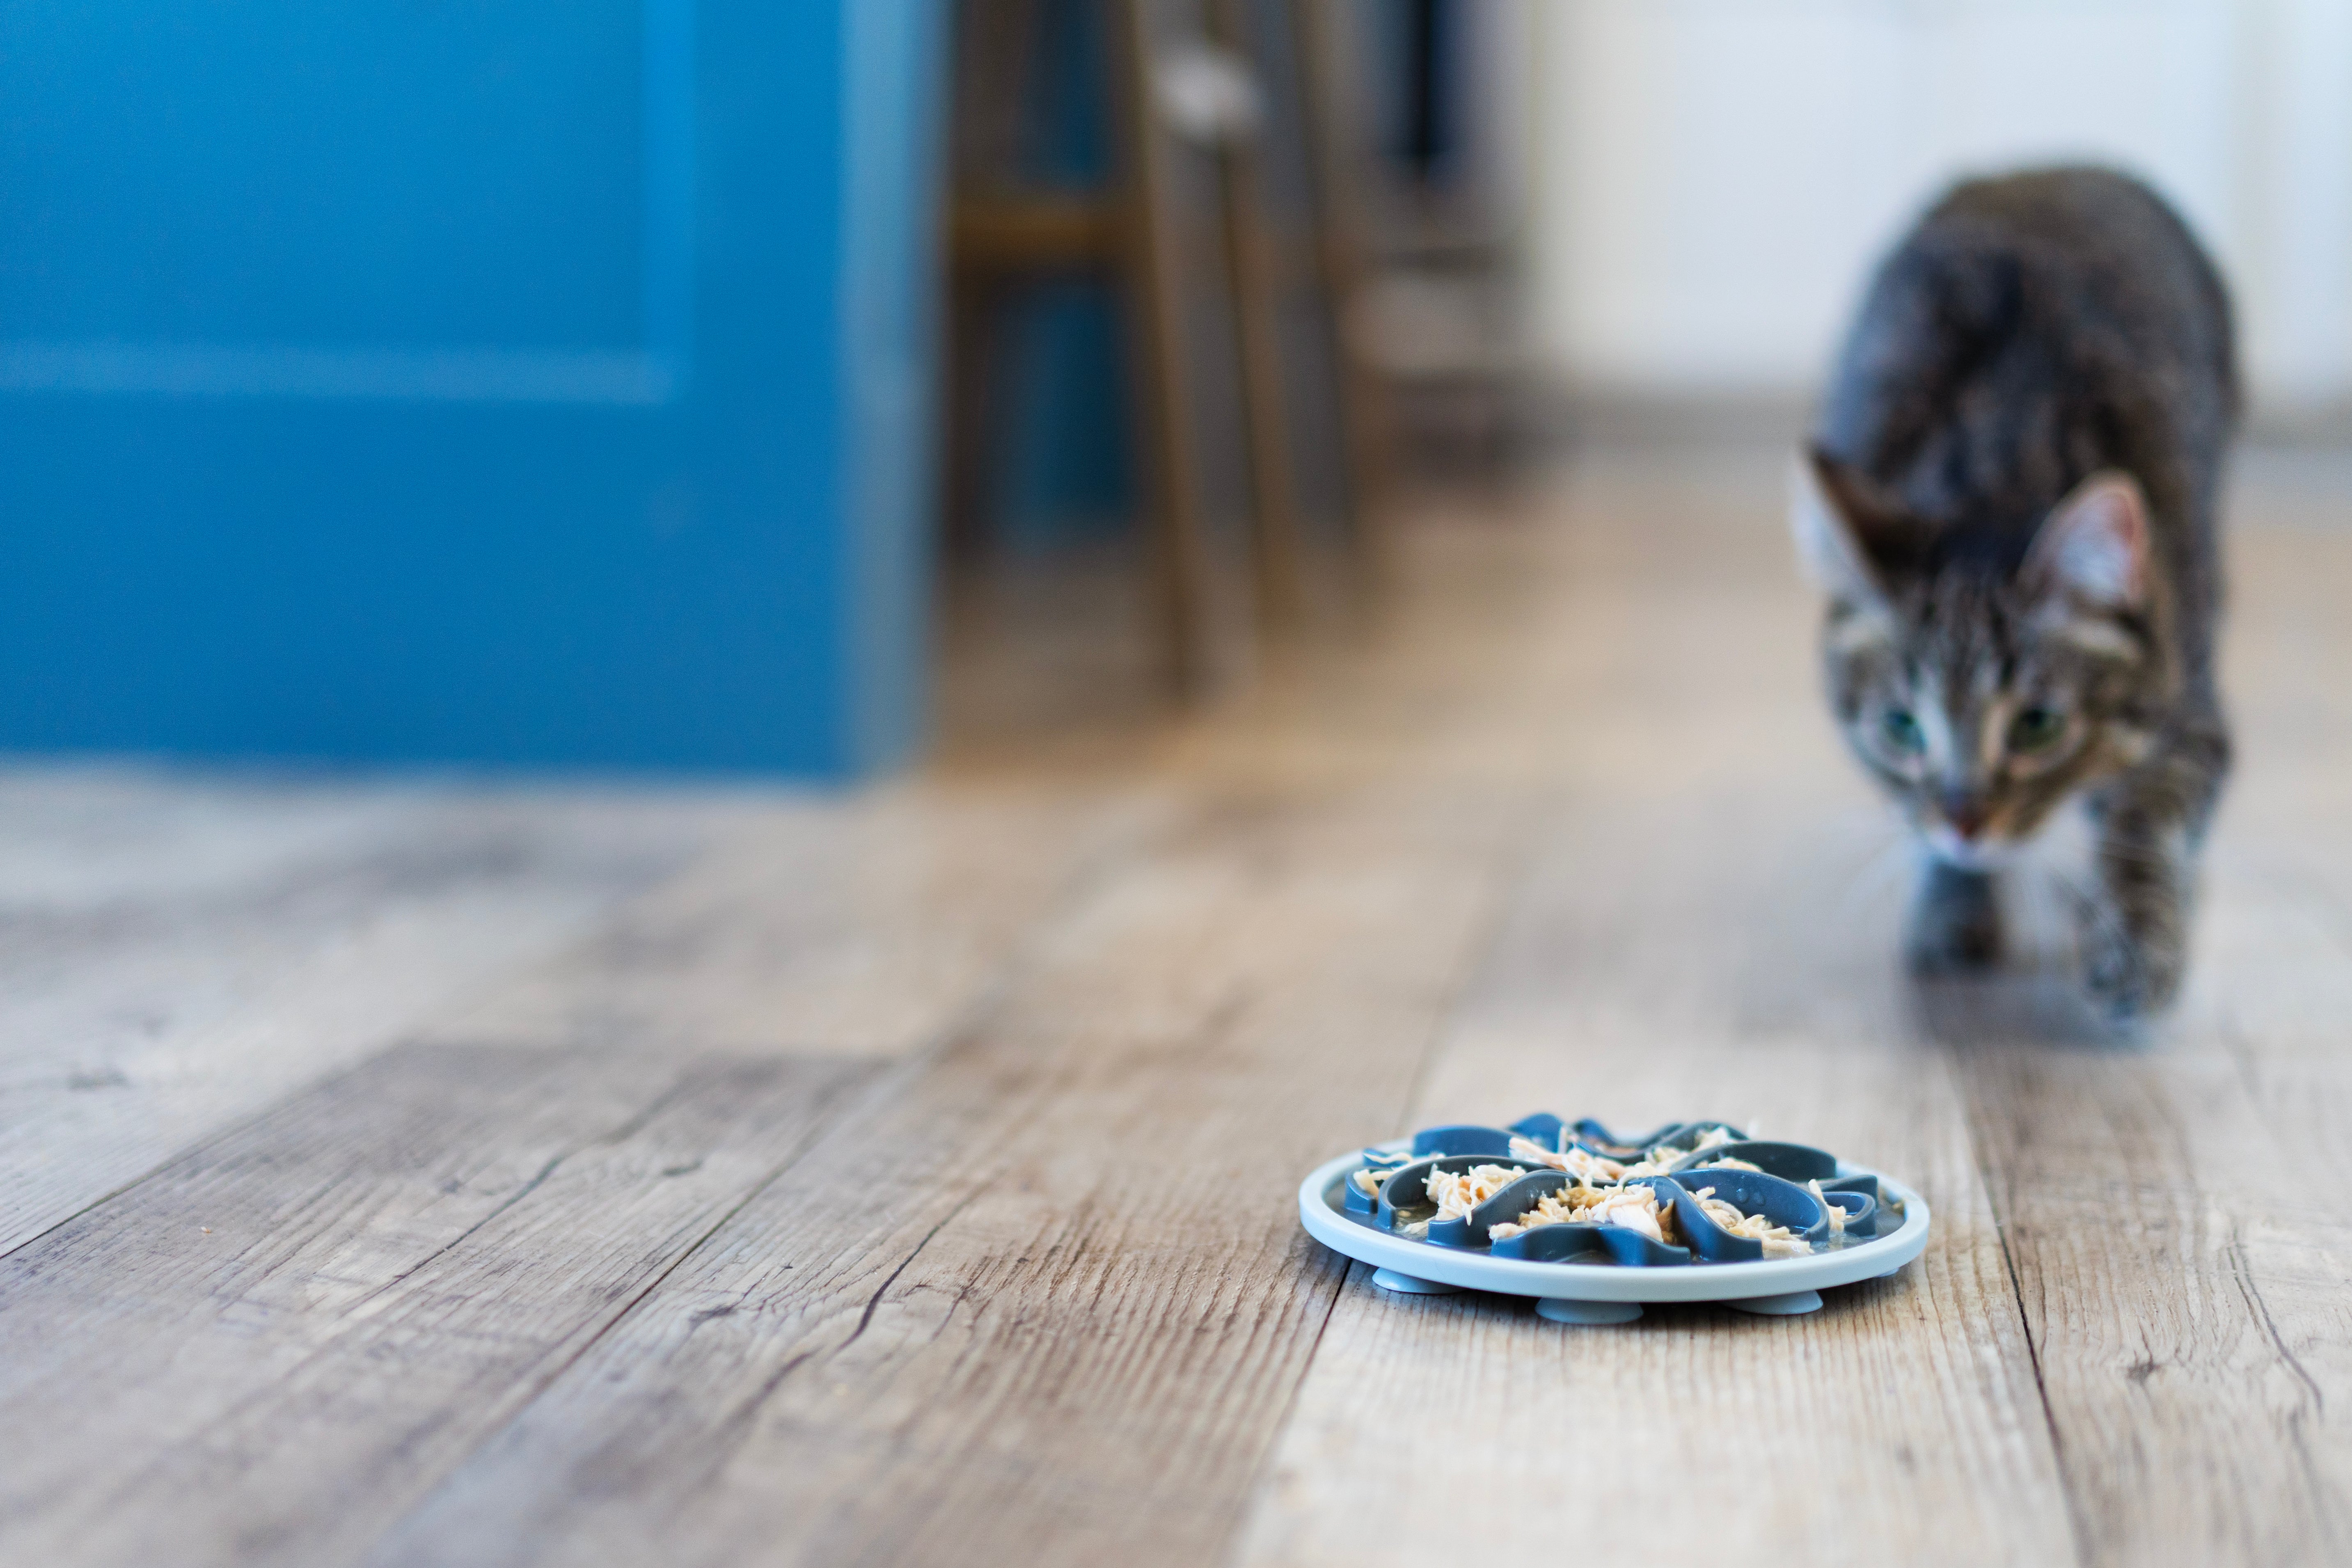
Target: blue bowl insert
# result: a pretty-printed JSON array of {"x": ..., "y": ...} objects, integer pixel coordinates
[
  {"x": 1750, "y": 1191},
  {"x": 1621, "y": 1244},
  {"x": 1882, "y": 1217},
  {"x": 1590, "y": 1244},
  {"x": 1408, "y": 1190},
  {"x": 1381, "y": 1164},
  {"x": 1797, "y": 1162},
  {"x": 1461, "y": 1140},
  {"x": 1775, "y": 1190},
  {"x": 1543, "y": 1129},
  {"x": 1591, "y": 1136},
  {"x": 1861, "y": 1211}
]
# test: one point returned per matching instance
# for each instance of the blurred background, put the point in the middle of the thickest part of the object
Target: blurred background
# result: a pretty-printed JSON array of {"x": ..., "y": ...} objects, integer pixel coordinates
[
  {"x": 727, "y": 727},
  {"x": 1706, "y": 183},
  {"x": 655, "y": 384}
]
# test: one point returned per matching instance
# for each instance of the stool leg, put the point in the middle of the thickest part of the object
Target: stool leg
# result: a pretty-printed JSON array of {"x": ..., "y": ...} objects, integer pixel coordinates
[
  {"x": 1163, "y": 400},
  {"x": 1266, "y": 399},
  {"x": 972, "y": 323},
  {"x": 1336, "y": 159}
]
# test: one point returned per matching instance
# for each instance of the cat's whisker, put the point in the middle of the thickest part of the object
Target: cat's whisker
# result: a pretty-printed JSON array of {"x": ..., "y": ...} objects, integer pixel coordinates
[
  {"x": 1866, "y": 835},
  {"x": 2045, "y": 890},
  {"x": 1870, "y": 880},
  {"x": 1852, "y": 850}
]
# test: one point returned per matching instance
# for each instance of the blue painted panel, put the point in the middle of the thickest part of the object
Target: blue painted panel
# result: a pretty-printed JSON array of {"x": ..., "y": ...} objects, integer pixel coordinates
[
  {"x": 429, "y": 379},
  {"x": 366, "y": 172}
]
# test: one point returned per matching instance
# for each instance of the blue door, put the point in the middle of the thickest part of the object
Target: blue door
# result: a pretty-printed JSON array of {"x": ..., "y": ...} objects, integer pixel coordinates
[{"x": 523, "y": 381}]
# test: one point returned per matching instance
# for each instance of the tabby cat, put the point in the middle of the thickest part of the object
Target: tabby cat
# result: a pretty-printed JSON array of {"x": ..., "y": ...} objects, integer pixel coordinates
[{"x": 2011, "y": 503}]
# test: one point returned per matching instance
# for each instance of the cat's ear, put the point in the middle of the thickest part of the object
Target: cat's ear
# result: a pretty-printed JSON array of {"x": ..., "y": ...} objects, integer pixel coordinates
[
  {"x": 2093, "y": 545},
  {"x": 1850, "y": 533}
]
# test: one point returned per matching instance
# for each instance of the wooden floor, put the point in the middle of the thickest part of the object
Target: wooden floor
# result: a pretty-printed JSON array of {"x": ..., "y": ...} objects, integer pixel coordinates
[{"x": 413, "y": 1174}]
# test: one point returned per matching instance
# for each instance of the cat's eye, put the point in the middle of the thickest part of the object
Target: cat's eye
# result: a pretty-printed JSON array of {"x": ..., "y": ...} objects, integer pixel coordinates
[
  {"x": 2035, "y": 728},
  {"x": 1900, "y": 729}
]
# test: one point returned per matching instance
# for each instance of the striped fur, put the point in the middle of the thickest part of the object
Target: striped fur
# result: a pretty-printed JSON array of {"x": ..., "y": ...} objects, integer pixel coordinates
[{"x": 2011, "y": 503}]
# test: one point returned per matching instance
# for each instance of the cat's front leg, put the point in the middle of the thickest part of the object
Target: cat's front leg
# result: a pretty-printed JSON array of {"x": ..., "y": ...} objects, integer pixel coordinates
[
  {"x": 2135, "y": 920},
  {"x": 1954, "y": 921}
]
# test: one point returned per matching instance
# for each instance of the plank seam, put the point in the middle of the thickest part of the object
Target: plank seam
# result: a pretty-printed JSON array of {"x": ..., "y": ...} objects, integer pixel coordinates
[
  {"x": 2078, "y": 1525},
  {"x": 1474, "y": 951},
  {"x": 2242, "y": 1269},
  {"x": 1081, "y": 884},
  {"x": 875, "y": 1300},
  {"x": 814, "y": 1134},
  {"x": 575, "y": 935},
  {"x": 1281, "y": 1424},
  {"x": 225, "y": 1132},
  {"x": 628, "y": 1127}
]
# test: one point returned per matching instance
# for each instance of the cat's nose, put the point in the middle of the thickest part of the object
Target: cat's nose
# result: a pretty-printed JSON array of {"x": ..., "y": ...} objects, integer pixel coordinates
[{"x": 1967, "y": 816}]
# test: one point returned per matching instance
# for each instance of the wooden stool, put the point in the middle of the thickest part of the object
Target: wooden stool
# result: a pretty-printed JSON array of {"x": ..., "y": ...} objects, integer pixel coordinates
[{"x": 1170, "y": 97}]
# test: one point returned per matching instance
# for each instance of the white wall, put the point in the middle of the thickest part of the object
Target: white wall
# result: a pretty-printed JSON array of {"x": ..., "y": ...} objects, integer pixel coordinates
[{"x": 1709, "y": 181}]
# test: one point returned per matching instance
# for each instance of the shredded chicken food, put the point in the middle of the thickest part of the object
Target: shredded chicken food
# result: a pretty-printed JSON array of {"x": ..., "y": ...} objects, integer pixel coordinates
[
  {"x": 1379, "y": 1164},
  {"x": 1598, "y": 1196},
  {"x": 1459, "y": 1192},
  {"x": 1600, "y": 1168},
  {"x": 1779, "y": 1240},
  {"x": 1636, "y": 1208},
  {"x": 1456, "y": 1193}
]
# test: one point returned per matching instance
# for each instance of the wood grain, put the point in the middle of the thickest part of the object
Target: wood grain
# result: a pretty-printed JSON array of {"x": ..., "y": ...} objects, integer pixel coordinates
[
  {"x": 864, "y": 926},
  {"x": 263, "y": 1354},
  {"x": 1704, "y": 931},
  {"x": 2183, "y": 1289},
  {"x": 1046, "y": 1306},
  {"x": 380, "y": 1315},
  {"x": 905, "y": 1177},
  {"x": 282, "y": 934}
]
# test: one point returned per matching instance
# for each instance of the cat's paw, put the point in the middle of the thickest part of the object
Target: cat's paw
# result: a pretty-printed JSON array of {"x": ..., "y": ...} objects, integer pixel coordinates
[
  {"x": 1955, "y": 925},
  {"x": 2128, "y": 978}
]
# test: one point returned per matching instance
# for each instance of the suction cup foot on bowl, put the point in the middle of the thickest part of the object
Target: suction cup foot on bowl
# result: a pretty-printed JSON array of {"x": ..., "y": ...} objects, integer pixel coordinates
[
  {"x": 1561, "y": 1312},
  {"x": 1788, "y": 1306},
  {"x": 1412, "y": 1285}
]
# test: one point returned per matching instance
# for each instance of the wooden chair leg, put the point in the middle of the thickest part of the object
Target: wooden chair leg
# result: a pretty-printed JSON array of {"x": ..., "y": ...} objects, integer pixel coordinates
[
  {"x": 1266, "y": 395},
  {"x": 973, "y": 306},
  {"x": 1164, "y": 401},
  {"x": 1333, "y": 126},
  {"x": 996, "y": 42}
]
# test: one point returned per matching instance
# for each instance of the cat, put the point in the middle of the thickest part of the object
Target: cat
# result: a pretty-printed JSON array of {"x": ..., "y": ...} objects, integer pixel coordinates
[{"x": 2010, "y": 499}]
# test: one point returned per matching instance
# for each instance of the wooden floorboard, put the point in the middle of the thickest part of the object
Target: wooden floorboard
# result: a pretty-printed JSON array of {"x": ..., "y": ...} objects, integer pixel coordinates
[
  {"x": 219, "y": 952},
  {"x": 1035, "y": 1308},
  {"x": 845, "y": 927},
  {"x": 265, "y": 1354},
  {"x": 1704, "y": 928},
  {"x": 420, "y": 1174},
  {"x": 349, "y": 1296},
  {"x": 2185, "y": 1292}
]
